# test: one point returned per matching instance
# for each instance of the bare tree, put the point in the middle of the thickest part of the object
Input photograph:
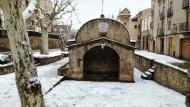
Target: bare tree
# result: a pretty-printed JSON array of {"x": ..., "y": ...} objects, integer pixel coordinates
[
  {"x": 66, "y": 30},
  {"x": 27, "y": 82},
  {"x": 60, "y": 8}
]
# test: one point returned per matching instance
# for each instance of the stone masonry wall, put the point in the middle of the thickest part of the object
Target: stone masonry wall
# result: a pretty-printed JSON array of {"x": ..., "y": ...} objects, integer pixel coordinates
[
  {"x": 143, "y": 63},
  {"x": 171, "y": 78},
  {"x": 164, "y": 75},
  {"x": 35, "y": 41},
  {"x": 6, "y": 69}
]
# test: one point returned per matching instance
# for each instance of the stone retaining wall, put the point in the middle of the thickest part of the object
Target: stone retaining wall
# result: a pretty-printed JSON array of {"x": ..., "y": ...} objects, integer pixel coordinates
[
  {"x": 171, "y": 78},
  {"x": 48, "y": 60},
  {"x": 143, "y": 63},
  {"x": 6, "y": 69},
  {"x": 35, "y": 41},
  {"x": 164, "y": 75}
]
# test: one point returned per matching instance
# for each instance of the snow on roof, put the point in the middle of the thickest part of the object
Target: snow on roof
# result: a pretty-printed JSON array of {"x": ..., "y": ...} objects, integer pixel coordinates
[{"x": 163, "y": 59}]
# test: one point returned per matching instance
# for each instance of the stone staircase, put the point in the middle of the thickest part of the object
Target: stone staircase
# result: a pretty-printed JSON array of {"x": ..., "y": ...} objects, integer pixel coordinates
[{"x": 149, "y": 74}]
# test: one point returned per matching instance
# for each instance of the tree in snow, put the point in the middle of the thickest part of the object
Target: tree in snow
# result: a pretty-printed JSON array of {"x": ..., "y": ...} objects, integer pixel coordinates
[
  {"x": 60, "y": 8},
  {"x": 28, "y": 85}
]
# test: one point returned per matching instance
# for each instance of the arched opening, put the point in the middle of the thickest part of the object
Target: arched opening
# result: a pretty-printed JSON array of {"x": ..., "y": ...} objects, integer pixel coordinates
[{"x": 101, "y": 64}]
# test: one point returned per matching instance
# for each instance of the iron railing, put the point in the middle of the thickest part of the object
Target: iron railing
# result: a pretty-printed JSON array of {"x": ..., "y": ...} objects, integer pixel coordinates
[
  {"x": 169, "y": 12},
  {"x": 180, "y": 27},
  {"x": 162, "y": 15},
  {"x": 185, "y": 4}
]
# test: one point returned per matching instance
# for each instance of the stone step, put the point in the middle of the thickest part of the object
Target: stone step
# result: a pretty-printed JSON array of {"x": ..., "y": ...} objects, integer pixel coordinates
[
  {"x": 37, "y": 64},
  {"x": 101, "y": 78},
  {"x": 102, "y": 74},
  {"x": 152, "y": 67},
  {"x": 151, "y": 70},
  {"x": 144, "y": 76},
  {"x": 148, "y": 73}
]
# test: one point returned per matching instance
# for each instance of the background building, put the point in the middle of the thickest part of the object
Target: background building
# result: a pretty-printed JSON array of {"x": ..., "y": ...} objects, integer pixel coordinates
[
  {"x": 138, "y": 27},
  {"x": 145, "y": 28},
  {"x": 171, "y": 27}
]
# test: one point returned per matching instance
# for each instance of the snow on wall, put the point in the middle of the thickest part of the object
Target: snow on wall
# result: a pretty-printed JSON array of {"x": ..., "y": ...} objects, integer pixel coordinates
[{"x": 162, "y": 59}]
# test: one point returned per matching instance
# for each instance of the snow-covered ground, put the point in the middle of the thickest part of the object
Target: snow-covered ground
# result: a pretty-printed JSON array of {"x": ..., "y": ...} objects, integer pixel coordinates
[
  {"x": 142, "y": 93},
  {"x": 163, "y": 59}
]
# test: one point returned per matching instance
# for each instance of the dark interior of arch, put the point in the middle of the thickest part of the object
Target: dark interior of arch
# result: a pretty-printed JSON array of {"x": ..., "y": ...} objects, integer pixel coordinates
[{"x": 101, "y": 64}]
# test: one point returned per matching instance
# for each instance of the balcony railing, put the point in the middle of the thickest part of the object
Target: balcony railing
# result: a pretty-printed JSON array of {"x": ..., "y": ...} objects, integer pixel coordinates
[
  {"x": 162, "y": 15},
  {"x": 169, "y": 12},
  {"x": 180, "y": 28},
  {"x": 185, "y": 4}
]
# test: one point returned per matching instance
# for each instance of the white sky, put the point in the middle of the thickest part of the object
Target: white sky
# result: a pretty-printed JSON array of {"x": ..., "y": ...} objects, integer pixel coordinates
[{"x": 90, "y": 9}]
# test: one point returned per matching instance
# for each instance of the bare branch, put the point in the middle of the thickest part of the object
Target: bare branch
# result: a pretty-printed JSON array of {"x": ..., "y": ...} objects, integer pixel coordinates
[{"x": 30, "y": 9}]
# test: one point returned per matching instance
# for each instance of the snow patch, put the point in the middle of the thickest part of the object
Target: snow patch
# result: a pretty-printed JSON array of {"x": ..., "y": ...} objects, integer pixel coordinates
[
  {"x": 33, "y": 82},
  {"x": 51, "y": 54},
  {"x": 66, "y": 52}
]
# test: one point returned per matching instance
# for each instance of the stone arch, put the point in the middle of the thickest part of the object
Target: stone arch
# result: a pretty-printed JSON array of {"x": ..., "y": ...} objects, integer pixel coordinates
[{"x": 101, "y": 64}]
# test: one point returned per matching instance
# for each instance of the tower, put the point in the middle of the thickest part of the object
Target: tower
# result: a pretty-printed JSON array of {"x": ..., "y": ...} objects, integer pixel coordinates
[{"x": 124, "y": 17}]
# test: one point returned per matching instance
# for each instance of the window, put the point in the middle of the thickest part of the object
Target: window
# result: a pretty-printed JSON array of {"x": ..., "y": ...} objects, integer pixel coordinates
[
  {"x": 135, "y": 26},
  {"x": 162, "y": 45},
  {"x": 171, "y": 6},
  {"x": 169, "y": 25},
  {"x": 26, "y": 1}
]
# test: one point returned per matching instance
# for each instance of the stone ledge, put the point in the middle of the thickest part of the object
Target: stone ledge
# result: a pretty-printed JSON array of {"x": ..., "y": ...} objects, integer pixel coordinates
[
  {"x": 48, "y": 60},
  {"x": 164, "y": 74},
  {"x": 6, "y": 69}
]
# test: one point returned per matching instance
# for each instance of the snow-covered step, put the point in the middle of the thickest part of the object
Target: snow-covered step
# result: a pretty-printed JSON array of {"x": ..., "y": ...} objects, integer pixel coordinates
[
  {"x": 37, "y": 64},
  {"x": 144, "y": 76},
  {"x": 151, "y": 70},
  {"x": 148, "y": 73},
  {"x": 153, "y": 67}
]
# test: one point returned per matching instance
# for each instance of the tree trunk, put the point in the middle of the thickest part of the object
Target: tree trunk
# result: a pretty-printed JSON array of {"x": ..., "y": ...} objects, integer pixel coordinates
[
  {"x": 28, "y": 85},
  {"x": 188, "y": 94},
  {"x": 45, "y": 46}
]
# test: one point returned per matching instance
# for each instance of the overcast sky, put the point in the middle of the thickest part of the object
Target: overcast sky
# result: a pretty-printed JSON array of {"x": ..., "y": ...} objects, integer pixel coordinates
[{"x": 90, "y": 9}]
